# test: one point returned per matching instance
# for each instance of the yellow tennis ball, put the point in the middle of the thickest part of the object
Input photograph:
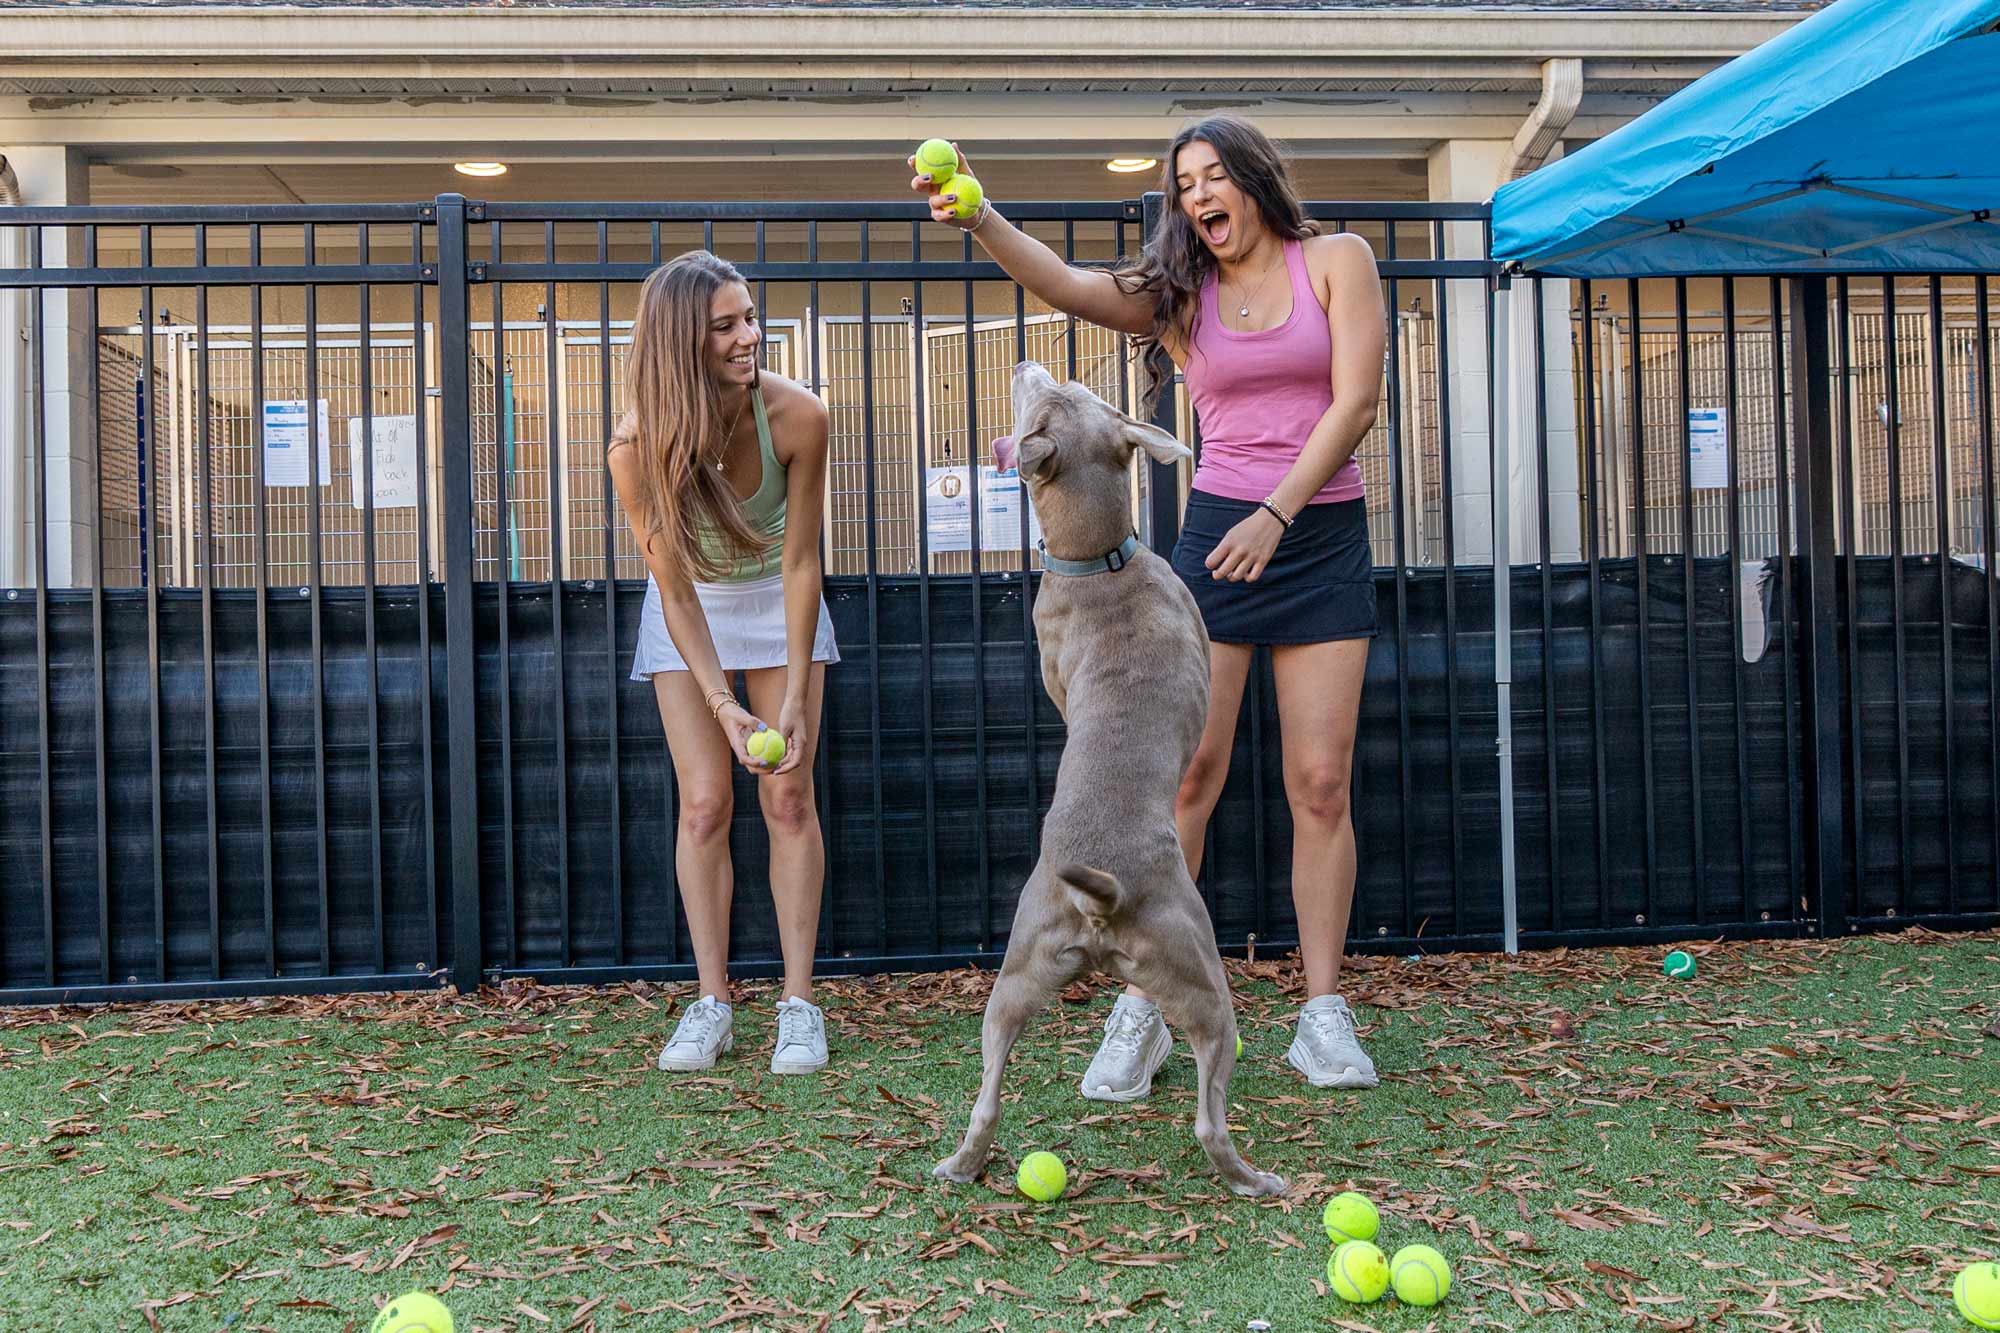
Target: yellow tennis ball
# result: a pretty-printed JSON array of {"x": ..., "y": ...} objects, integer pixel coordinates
[
  {"x": 1239, "y": 1046},
  {"x": 1042, "y": 1176},
  {"x": 1357, "y": 1272},
  {"x": 937, "y": 159},
  {"x": 1420, "y": 1275},
  {"x": 766, "y": 745},
  {"x": 416, "y": 1312},
  {"x": 969, "y": 194},
  {"x": 1350, "y": 1216},
  {"x": 1977, "y": 1294}
]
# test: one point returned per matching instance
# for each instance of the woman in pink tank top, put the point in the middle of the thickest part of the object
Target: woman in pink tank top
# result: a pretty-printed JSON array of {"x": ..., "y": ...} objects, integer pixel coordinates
[{"x": 1279, "y": 332}]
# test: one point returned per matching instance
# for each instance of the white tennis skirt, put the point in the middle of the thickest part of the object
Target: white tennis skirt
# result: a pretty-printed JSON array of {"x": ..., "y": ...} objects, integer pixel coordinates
[{"x": 746, "y": 620}]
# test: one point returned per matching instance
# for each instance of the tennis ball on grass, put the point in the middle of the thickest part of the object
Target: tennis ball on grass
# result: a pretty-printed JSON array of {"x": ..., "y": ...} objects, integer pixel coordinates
[
  {"x": 1977, "y": 1294},
  {"x": 1357, "y": 1272},
  {"x": 766, "y": 745},
  {"x": 1042, "y": 1177},
  {"x": 416, "y": 1312},
  {"x": 937, "y": 159},
  {"x": 1678, "y": 964},
  {"x": 1350, "y": 1216},
  {"x": 1420, "y": 1275},
  {"x": 969, "y": 194}
]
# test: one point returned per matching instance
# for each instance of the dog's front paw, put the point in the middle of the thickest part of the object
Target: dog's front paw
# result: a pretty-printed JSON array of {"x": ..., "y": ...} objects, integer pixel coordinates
[
  {"x": 1260, "y": 1185},
  {"x": 958, "y": 1168}
]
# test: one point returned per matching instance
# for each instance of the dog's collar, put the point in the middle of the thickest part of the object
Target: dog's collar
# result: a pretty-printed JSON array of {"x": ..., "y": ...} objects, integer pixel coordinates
[{"x": 1110, "y": 562}]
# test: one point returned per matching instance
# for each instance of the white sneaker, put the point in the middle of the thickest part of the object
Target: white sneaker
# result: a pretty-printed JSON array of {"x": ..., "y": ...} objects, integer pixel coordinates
[
  {"x": 1135, "y": 1045},
  {"x": 801, "y": 1038},
  {"x": 706, "y": 1029},
  {"x": 1326, "y": 1050}
]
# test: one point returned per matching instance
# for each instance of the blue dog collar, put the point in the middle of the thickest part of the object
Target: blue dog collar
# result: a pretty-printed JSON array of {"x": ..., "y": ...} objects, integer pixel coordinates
[{"x": 1109, "y": 562}]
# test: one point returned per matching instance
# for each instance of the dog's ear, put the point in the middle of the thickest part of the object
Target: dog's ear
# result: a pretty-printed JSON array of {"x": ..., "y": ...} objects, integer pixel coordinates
[
  {"x": 1159, "y": 446},
  {"x": 1035, "y": 455}
]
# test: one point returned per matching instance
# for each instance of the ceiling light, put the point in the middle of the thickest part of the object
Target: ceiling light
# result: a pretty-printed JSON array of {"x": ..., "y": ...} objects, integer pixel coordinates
[
  {"x": 480, "y": 168},
  {"x": 1128, "y": 165}
]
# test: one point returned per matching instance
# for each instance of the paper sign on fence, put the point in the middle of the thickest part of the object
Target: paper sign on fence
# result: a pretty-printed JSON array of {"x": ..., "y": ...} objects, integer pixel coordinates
[
  {"x": 1708, "y": 448},
  {"x": 394, "y": 461},
  {"x": 948, "y": 510},
  {"x": 285, "y": 461}
]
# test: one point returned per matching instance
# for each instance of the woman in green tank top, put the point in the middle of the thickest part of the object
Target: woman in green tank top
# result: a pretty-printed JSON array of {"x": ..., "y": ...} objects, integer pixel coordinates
[{"x": 721, "y": 470}]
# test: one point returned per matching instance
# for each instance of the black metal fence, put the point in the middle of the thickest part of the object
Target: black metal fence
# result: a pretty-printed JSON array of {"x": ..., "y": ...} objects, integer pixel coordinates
[{"x": 289, "y": 707}]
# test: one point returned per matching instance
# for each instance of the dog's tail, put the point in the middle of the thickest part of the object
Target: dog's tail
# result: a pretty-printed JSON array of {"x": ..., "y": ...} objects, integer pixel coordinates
[{"x": 1095, "y": 894}]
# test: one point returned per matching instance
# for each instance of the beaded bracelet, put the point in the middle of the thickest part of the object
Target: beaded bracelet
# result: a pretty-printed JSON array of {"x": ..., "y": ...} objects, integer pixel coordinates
[
  {"x": 1270, "y": 503},
  {"x": 714, "y": 704}
]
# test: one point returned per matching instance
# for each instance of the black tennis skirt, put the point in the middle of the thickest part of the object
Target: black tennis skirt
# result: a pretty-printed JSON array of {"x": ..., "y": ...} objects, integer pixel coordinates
[{"x": 1319, "y": 586}]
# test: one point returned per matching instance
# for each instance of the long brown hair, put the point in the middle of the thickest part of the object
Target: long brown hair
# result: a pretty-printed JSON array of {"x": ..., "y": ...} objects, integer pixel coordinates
[
  {"x": 676, "y": 420},
  {"x": 1176, "y": 262}
]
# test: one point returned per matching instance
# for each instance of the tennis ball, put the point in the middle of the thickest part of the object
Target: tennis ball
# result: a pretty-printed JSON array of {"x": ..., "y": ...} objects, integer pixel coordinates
[
  {"x": 1357, "y": 1272},
  {"x": 1420, "y": 1274},
  {"x": 417, "y": 1312},
  {"x": 937, "y": 159},
  {"x": 1350, "y": 1216},
  {"x": 968, "y": 192},
  {"x": 1239, "y": 1046},
  {"x": 1678, "y": 964},
  {"x": 1977, "y": 1294},
  {"x": 1042, "y": 1177},
  {"x": 766, "y": 745}
]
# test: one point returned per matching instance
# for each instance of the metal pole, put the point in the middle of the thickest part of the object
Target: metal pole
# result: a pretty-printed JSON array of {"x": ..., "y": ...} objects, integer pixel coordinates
[{"x": 1501, "y": 314}]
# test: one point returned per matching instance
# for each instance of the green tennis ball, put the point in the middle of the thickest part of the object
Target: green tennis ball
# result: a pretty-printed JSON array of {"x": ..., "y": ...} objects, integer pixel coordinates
[
  {"x": 969, "y": 194},
  {"x": 1239, "y": 1046},
  {"x": 937, "y": 159},
  {"x": 416, "y": 1312},
  {"x": 1420, "y": 1275},
  {"x": 1042, "y": 1177},
  {"x": 1679, "y": 965},
  {"x": 1977, "y": 1294},
  {"x": 1357, "y": 1272},
  {"x": 766, "y": 745},
  {"x": 1350, "y": 1216}
]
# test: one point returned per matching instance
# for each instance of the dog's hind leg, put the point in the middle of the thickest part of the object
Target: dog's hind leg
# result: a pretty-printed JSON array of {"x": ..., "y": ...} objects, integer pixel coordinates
[
  {"x": 1027, "y": 982},
  {"x": 1194, "y": 995}
]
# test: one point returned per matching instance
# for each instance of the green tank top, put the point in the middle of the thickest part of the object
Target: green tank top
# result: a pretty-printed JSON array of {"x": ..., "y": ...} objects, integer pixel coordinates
[{"x": 765, "y": 510}]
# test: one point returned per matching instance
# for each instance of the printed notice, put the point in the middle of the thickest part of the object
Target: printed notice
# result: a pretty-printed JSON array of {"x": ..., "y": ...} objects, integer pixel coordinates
[
  {"x": 285, "y": 444},
  {"x": 948, "y": 510},
  {"x": 393, "y": 461},
  {"x": 1708, "y": 448}
]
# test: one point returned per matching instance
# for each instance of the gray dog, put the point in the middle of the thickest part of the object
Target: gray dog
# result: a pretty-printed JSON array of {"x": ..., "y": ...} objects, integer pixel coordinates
[{"x": 1125, "y": 658}]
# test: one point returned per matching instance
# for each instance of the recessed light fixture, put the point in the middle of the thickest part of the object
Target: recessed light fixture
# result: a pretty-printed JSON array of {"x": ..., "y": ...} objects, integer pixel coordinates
[
  {"x": 480, "y": 168},
  {"x": 1126, "y": 166}
]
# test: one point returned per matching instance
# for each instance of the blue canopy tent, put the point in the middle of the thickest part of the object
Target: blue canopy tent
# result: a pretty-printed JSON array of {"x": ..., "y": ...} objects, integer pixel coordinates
[{"x": 1859, "y": 141}]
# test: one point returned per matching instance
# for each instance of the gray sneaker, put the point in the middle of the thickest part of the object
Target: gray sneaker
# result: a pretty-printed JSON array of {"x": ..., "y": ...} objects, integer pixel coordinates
[
  {"x": 1326, "y": 1050},
  {"x": 801, "y": 1038},
  {"x": 706, "y": 1029},
  {"x": 1135, "y": 1045}
]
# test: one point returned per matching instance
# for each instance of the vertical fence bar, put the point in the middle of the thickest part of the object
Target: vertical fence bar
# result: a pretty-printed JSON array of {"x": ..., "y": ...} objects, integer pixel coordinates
[
  {"x": 972, "y": 464},
  {"x": 149, "y": 573},
  {"x": 1850, "y": 566},
  {"x": 1500, "y": 353},
  {"x": 1736, "y": 610},
  {"x": 553, "y": 429},
  {"x": 462, "y": 717},
  {"x": 878, "y": 850},
  {"x": 1028, "y": 656},
  {"x": 918, "y": 396},
  {"x": 100, "y": 739},
  {"x": 1400, "y": 539},
  {"x": 1442, "y": 294},
  {"x": 823, "y": 792},
  {"x": 1819, "y": 666},
  {"x": 1163, "y": 490},
  {"x": 205, "y": 469},
  {"x": 1640, "y": 506},
  {"x": 503, "y": 584},
  {"x": 1786, "y": 547},
  {"x": 1941, "y": 498},
  {"x": 420, "y": 379},
  {"x": 1593, "y": 559},
  {"x": 262, "y": 524},
  {"x": 315, "y": 602},
  {"x": 39, "y": 455},
  {"x": 610, "y": 605},
  {"x": 1893, "y": 427},
  {"x": 1984, "y": 416},
  {"x": 1698, "y": 864},
  {"x": 1544, "y": 562},
  {"x": 366, "y": 482}
]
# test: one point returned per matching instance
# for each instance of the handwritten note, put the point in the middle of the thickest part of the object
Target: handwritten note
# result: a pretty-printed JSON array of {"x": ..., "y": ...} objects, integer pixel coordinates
[{"x": 393, "y": 461}]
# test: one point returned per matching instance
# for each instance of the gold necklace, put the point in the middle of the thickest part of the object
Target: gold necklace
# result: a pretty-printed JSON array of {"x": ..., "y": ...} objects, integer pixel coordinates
[
  {"x": 728, "y": 436},
  {"x": 1243, "y": 311}
]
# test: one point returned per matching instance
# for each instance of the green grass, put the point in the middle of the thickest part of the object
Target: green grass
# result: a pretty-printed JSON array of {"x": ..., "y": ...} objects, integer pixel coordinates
[{"x": 1802, "y": 1138}]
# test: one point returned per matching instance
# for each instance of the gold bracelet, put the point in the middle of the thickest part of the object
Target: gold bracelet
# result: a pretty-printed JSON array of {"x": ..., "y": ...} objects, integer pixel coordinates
[
  {"x": 1270, "y": 502},
  {"x": 714, "y": 704}
]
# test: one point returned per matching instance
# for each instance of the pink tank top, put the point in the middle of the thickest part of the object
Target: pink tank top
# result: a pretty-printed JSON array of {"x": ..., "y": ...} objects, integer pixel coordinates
[{"x": 1258, "y": 395}]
